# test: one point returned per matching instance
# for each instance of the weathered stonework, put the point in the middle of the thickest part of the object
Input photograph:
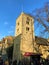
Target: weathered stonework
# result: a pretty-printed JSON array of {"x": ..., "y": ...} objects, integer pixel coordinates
[
  {"x": 27, "y": 32},
  {"x": 25, "y": 28}
]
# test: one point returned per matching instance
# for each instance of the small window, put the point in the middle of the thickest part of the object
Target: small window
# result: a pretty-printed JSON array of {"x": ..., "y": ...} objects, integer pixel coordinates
[
  {"x": 27, "y": 22},
  {"x": 18, "y": 23},
  {"x": 17, "y": 30},
  {"x": 27, "y": 28},
  {"x": 28, "y": 19},
  {"x": 31, "y": 19}
]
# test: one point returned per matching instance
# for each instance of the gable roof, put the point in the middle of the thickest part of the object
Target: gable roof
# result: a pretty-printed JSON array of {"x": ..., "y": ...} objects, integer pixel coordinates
[{"x": 41, "y": 41}]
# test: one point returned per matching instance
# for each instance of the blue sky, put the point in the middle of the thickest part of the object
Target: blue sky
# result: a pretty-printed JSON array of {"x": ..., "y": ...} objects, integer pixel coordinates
[{"x": 11, "y": 9}]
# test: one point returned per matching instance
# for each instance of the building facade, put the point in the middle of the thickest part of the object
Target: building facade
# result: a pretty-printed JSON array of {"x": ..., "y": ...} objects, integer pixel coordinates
[
  {"x": 25, "y": 27},
  {"x": 24, "y": 36},
  {"x": 25, "y": 40}
]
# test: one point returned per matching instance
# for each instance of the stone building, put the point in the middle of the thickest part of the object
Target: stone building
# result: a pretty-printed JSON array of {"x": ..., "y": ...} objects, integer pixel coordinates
[
  {"x": 43, "y": 46},
  {"x": 25, "y": 28},
  {"x": 7, "y": 41},
  {"x": 25, "y": 41}
]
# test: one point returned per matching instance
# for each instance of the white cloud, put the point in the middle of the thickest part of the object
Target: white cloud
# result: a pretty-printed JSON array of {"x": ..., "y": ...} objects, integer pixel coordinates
[
  {"x": 10, "y": 31},
  {"x": 6, "y": 23}
]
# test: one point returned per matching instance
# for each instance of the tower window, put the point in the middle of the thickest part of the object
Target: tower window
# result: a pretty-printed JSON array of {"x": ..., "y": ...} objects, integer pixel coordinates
[
  {"x": 18, "y": 23},
  {"x": 28, "y": 19},
  {"x": 27, "y": 28},
  {"x": 31, "y": 19},
  {"x": 27, "y": 22},
  {"x": 17, "y": 30}
]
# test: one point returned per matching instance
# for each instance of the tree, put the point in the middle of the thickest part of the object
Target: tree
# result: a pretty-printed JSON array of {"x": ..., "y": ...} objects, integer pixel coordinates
[{"x": 41, "y": 17}]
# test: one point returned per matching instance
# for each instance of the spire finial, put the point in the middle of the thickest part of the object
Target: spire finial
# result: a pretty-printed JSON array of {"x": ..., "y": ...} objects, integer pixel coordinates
[{"x": 22, "y": 7}]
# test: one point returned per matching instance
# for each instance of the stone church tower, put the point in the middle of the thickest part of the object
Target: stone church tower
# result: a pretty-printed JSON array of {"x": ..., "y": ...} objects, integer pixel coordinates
[
  {"x": 25, "y": 27},
  {"x": 24, "y": 35}
]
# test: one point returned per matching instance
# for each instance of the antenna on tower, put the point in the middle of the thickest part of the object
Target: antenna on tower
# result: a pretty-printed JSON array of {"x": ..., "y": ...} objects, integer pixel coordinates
[{"x": 22, "y": 7}]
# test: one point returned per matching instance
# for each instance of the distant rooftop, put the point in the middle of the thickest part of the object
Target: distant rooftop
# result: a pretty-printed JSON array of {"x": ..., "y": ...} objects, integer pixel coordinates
[{"x": 41, "y": 41}]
